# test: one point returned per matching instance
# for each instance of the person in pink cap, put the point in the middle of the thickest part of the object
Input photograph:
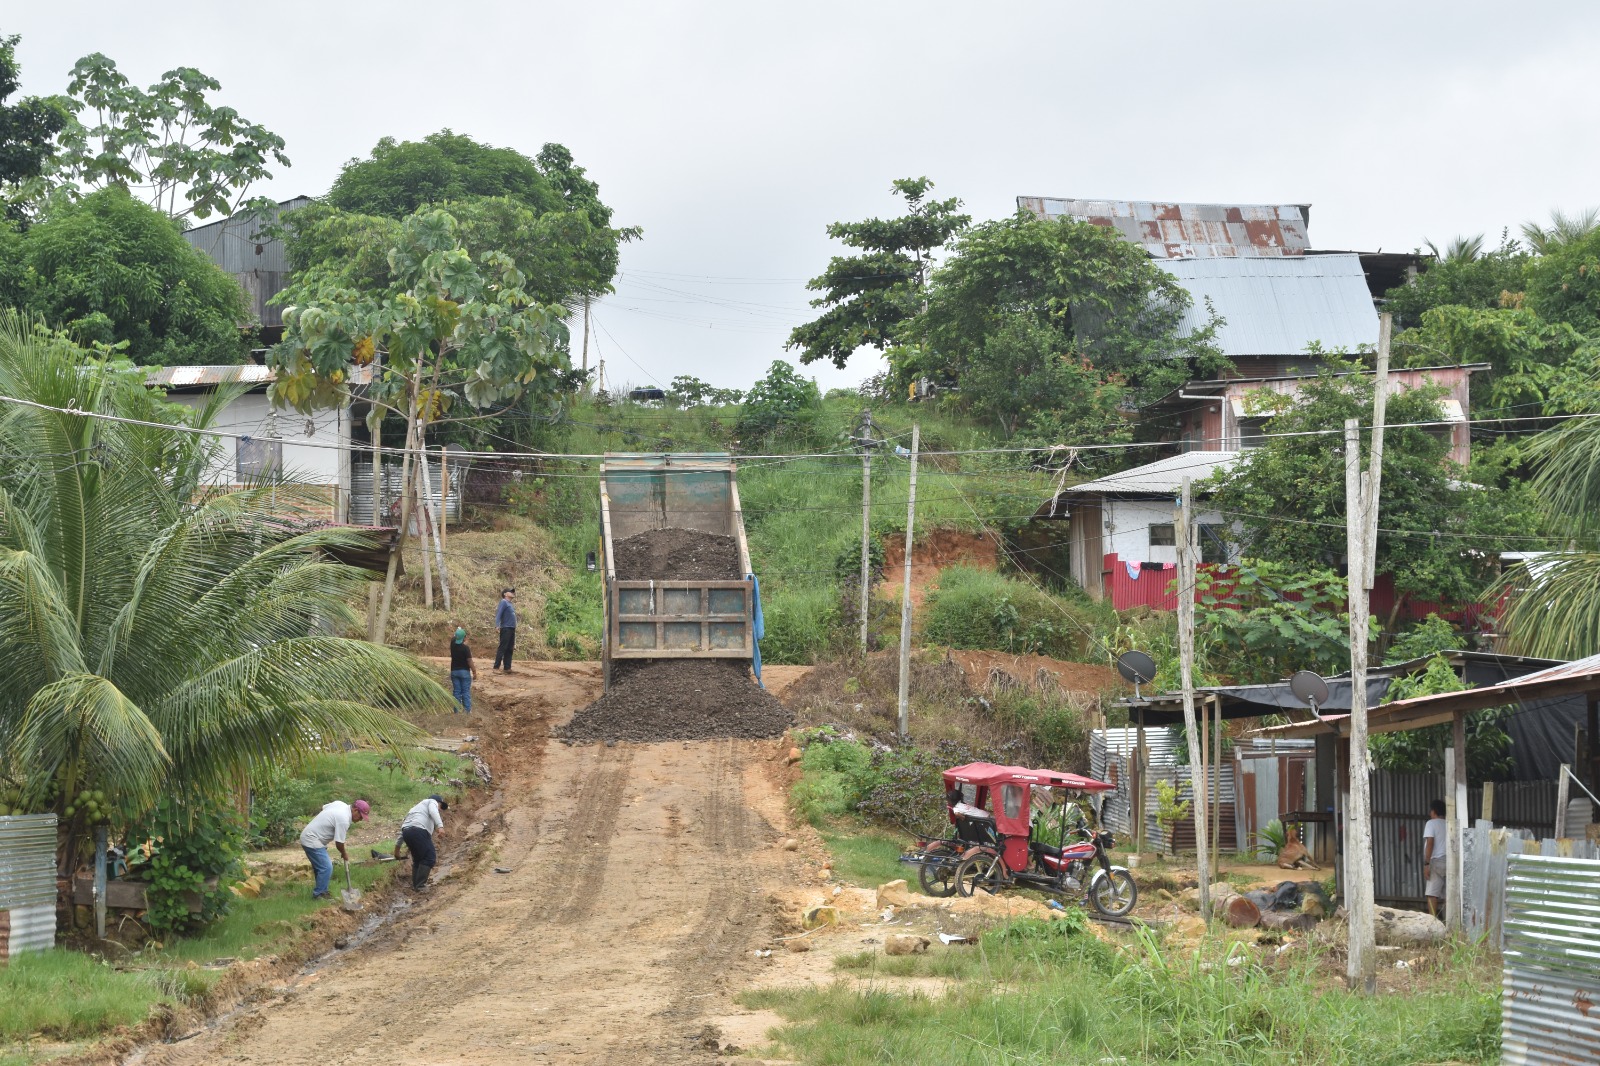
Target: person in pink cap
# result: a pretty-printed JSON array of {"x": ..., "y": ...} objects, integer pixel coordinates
[{"x": 331, "y": 825}]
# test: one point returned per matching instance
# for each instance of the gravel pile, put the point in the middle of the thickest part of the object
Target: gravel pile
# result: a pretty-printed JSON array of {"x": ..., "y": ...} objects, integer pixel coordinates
[
  {"x": 680, "y": 699},
  {"x": 677, "y": 555}
]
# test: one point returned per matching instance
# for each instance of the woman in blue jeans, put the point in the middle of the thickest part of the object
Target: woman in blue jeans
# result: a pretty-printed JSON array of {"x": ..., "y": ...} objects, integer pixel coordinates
[{"x": 462, "y": 672}]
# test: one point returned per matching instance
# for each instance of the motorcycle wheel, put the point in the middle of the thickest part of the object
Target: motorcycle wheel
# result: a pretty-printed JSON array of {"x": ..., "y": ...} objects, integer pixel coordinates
[
  {"x": 1114, "y": 894},
  {"x": 937, "y": 871},
  {"x": 985, "y": 871}
]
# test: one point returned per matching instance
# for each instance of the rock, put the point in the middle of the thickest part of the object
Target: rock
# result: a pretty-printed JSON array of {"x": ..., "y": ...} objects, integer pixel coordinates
[
  {"x": 1314, "y": 901},
  {"x": 1237, "y": 912},
  {"x": 341, "y": 942},
  {"x": 1407, "y": 928},
  {"x": 1280, "y": 921},
  {"x": 818, "y": 916},
  {"x": 905, "y": 944},
  {"x": 797, "y": 946},
  {"x": 894, "y": 894},
  {"x": 791, "y": 844},
  {"x": 1164, "y": 896},
  {"x": 827, "y": 873},
  {"x": 793, "y": 756}
]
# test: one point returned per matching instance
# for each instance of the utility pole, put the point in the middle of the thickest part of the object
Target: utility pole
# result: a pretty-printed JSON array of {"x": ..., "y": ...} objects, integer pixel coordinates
[
  {"x": 1186, "y": 569},
  {"x": 586, "y": 335},
  {"x": 866, "y": 523},
  {"x": 905, "y": 593},
  {"x": 1361, "y": 533}
]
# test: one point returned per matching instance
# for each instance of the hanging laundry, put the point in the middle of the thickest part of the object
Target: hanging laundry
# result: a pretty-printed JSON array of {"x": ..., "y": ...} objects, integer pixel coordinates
[{"x": 1133, "y": 570}]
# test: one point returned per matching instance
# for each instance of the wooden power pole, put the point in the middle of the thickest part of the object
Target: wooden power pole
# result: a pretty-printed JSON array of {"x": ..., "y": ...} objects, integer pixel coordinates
[
  {"x": 866, "y": 524},
  {"x": 905, "y": 592},
  {"x": 1361, "y": 532},
  {"x": 1186, "y": 571}
]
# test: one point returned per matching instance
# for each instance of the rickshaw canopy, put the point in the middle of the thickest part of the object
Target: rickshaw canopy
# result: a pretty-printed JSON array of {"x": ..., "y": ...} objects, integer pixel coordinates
[{"x": 992, "y": 774}]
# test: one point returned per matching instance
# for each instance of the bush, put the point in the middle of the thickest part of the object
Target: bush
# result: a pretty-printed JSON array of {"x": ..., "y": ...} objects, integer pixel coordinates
[
  {"x": 782, "y": 403},
  {"x": 177, "y": 848},
  {"x": 908, "y": 785},
  {"x": 836, "y": 775},
  {"x": 278, "y": 809},
  {"x": 982, "y": 609},
  {"x": 1052, "y": 722}
]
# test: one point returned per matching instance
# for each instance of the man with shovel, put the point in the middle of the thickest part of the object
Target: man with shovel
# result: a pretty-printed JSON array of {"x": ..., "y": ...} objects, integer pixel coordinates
[
  {"x": 331, "y": 825},
  {"x": 417, "y": 831}
]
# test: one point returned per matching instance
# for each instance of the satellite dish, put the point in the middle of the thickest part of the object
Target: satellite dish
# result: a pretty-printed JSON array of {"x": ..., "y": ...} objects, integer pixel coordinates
[
  {"x": 1137, "y": 667},
  {"x": 1309, "y": 687}
]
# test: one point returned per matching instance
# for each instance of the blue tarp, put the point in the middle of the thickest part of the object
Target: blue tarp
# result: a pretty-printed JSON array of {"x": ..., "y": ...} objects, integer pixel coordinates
[{"x": 759, "y": 626}]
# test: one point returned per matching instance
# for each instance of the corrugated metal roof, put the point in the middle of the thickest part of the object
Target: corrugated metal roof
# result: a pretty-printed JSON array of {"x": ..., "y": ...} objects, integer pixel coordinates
[
  {"x": 1160, "y": 478},
  {"x": 1280, "y": 306},
  {"x": 204, "y": 377},
  {"x": 235, "y": 243},
  {"x": 1179, "y": 231}
]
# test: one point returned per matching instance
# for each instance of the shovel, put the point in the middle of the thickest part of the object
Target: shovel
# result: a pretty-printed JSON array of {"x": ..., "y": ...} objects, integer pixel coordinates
[{"x": 351, "y": 896}]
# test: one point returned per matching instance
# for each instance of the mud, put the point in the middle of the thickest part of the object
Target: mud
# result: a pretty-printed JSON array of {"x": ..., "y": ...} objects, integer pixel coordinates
[
  {"x": 677, "y": 555},
  {"x": 680, "y": 699}
]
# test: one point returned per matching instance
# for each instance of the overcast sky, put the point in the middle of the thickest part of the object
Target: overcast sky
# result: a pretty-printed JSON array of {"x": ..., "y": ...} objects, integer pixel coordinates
[{"x": 735, "y": 132}]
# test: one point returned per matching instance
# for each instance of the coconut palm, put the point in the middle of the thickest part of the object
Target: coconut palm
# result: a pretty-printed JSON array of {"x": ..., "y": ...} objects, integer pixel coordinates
[
  {"x": 1459, "y": 250},
  {"x": 1563, "y": 229},
  {"x": 1554, "y": 606},
  {"x": 157, "y": 638}
]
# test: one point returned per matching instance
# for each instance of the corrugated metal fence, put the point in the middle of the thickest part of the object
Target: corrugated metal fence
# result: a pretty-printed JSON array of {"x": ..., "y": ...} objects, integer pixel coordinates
[
  {"x": 361, "y": 492},
  {"x": 28, "y": 882},
  {"x": 1486, "y": 855},
  {"x": 1550, "y": 1008}
]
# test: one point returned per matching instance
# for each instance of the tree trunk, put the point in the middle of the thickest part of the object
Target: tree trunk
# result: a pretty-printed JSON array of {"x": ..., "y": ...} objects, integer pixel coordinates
[{"x": 405, "y": 512}]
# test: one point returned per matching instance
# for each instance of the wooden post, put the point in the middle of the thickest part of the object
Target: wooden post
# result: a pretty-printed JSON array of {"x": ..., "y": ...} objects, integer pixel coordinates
[
  {"x": 1186, "y": 570},
  {"x": 100, "y": 842},
  {"x": 432, "y": 532},
  {"x": 375, "y": 423},
  {"x": 1487, "y": 814},
  {"x": 1457, "y": 828},
  {"x": 444, "y": 492},
  {"x": 866, "y": 525},
  {"x": 405, "y": 511},
  {"x": 1563, "y": 795},
  {"x": 1341, "y": 807},
  {"x": 905, "y": 594},
  {"x": 420, "y": 510},
  {"x": 1362, "y": 970},
  {"x": 1214, "y": 782},
  {"x": 1141, "y": 761}
]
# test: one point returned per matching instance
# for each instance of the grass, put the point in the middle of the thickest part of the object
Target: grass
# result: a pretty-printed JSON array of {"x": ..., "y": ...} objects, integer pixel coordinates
[
  {"x": 869, "y": 858},
  {"x": 1038, "y": 992},
  {"x": 62, "y": 995}
]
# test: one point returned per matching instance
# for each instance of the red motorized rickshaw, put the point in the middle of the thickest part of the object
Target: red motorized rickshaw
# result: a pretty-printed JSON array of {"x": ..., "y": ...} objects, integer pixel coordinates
[{"x": 1018, "y": 826}]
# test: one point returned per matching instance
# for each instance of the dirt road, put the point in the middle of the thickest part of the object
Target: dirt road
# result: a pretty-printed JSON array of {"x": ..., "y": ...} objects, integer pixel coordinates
[{"x": 634, "y": 898}]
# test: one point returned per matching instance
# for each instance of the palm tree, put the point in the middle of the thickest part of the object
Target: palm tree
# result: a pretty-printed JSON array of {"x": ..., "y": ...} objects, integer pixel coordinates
[
  {"x": 157, "y": 638},
  {"x": 1554, "y": 600},
  {"x": 1459, "y": 250},
  {"x": 1563, "y": 229}
]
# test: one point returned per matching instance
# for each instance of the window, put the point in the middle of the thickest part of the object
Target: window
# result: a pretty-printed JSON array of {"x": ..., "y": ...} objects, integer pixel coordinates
[
  {"x": 1011, "y": 800},
  {"x": 259, "y": 457},
  {"x": 1163, "y": 535},
  {"x": 1213, "y": 543},
  {"x": 1252, "y": 432}
]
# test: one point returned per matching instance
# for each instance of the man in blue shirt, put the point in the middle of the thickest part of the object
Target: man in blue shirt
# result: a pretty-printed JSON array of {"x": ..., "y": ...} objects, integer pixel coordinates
[{"x": 505, "y": 620}]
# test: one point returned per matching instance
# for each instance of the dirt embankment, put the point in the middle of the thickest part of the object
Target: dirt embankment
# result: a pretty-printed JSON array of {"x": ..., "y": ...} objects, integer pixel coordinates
[{"x": 932, "y": 552}]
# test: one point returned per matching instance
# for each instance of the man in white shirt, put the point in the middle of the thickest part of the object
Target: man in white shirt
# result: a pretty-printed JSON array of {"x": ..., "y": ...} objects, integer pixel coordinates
[
  {"x": 422, "y": 822},
  {"x": 330, "y": 826},
  {"x": 1435, "y": 856}
]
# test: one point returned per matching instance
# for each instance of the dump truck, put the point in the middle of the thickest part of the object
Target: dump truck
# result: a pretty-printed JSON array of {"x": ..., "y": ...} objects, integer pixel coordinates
[{"x": 659, "y": 617}]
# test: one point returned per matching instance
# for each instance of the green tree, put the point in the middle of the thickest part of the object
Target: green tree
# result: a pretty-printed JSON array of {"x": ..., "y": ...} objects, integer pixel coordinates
[
  {"x": 1025, "y": 380},
  {"x": 783, "y": 402},
  {"x": 170, "y": 144},
  {"x": 545, "y": 212},
  {"x": 449, "y": 336},
  {"x": 1564, "y": 282},
  {"x": 1261, "y": 621},
  {"x": 159, "y": 638},
  {"x": 1101, "y": 296},
  {"x": 112, "y": 270},
  {"x": 1527, "y": 356},
  {"x": 27, "y": 131},
  {"x": 1439, "y": 525},
  {"x": 1491, "y": 279},
  {"x": 868, "y": 298},
  {"x": 1563, "y": 229}
]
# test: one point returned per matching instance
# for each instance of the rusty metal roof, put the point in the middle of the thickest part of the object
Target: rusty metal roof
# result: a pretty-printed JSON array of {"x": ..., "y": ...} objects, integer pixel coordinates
[
  {"x": 210, "y": 377},
  {"x": 1189, "y": 231}
]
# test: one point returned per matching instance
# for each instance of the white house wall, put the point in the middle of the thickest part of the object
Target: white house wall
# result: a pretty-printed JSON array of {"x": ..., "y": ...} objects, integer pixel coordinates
[
  {"x": 308, "y": 455},
  {"x": 1127, "y": 529}
]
